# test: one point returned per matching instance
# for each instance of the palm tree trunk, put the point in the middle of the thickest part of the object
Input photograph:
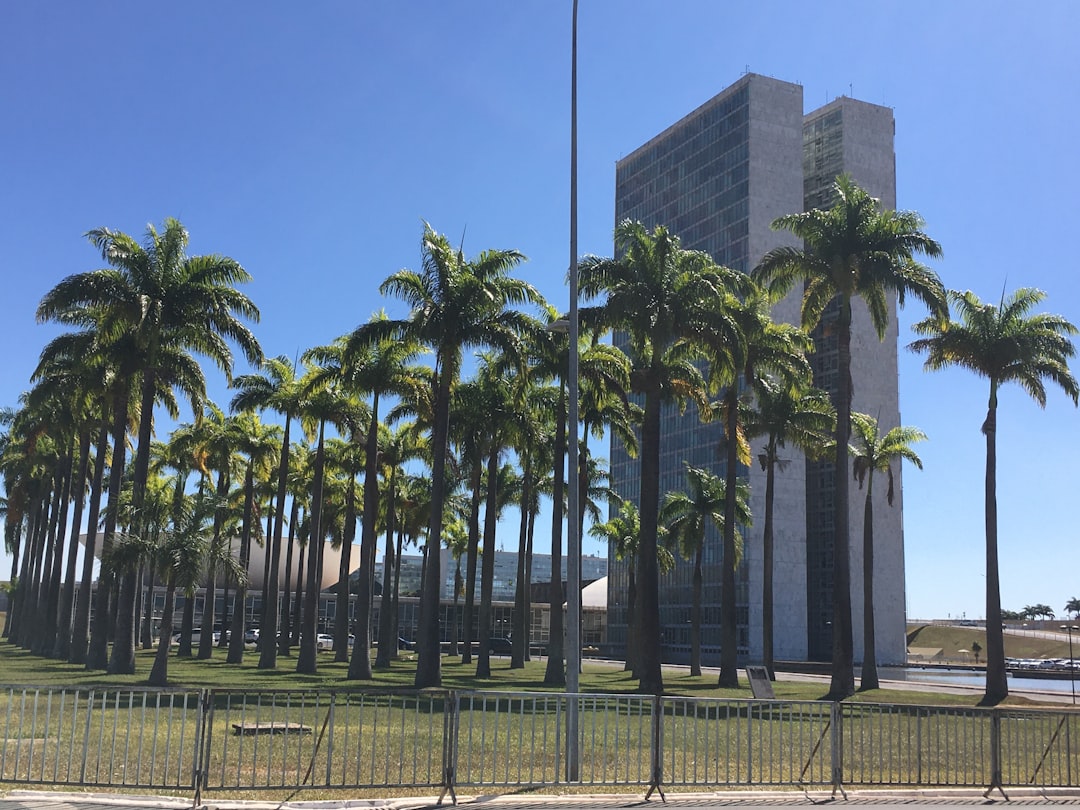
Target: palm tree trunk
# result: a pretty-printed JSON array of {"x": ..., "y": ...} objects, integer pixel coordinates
[
  {"x": 341, "y": 612},
  {"x": 159, "y": 672},
  {"x": 695, "y": 614},
  {"x": 97, "y": 654},
  {"x": 268, "y": 630},
  {"x": 650, "y": 678},
  {"x": 528, "y": 583},
  {"x": 387, "y": 639},
  {"x": 45, "y": 573},
  {"x": 997, "y": 688},
  {"x": 239, "y": 617},
  {"x": 298, "y": 600},
  {"x": 307, "y": 658},
  {"x": 555, "y": 673},
  {"x": 520, "y": 619},
  {"x": 81, "y": 629},
  {"x": 842, "y": 684},
  {"x": 122, "y": 660},
  {"x": 869, "y": 679},
  {"x": 284, "y": 637},
  {"x": 487, "y": 574},
  {"x": 13, "y": 538},
  {"x": 52, "y": 602},
  {"x": 729, "y": 650},
  {"x": 429, "y": 662},
  {"x": 62, "y": 648},
  {"x": 472, "y": 555},
  {"x": 768, "y": 564},
  {"x": 360, "y": 665},
  {"x": 206, "y": 629}
]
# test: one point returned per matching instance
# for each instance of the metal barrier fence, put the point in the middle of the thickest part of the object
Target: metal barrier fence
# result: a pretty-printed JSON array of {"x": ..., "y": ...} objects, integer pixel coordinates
[{"x": 218, "y": 740}]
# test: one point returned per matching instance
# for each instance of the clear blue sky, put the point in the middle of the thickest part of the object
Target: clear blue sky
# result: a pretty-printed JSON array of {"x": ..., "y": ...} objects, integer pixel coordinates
[{"x": 309, "y": 141}]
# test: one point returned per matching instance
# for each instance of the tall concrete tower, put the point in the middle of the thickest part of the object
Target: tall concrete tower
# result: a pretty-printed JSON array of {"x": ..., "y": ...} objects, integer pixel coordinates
[{"x": 718, "y": 178}]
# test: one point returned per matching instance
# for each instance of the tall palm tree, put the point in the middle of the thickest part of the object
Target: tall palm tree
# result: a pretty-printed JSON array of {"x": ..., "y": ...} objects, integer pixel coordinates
[
  {"x": 1004, "y": 344},
  {"x": 764, "y": 347},
  {"x": 405, "y": 443},
  {"x": 455, "y": 303},
  {"x": 327, "y": 400},
  {"x": 872, "y": 452},
  {"x": 852, "y": 250},
  {"x": 666, "y": 300},
  {"x": 257, "y": 443},
  {"x": 169, "y": 303},
  {"x": 378, "y": 367},
  {"x": 277, "y": 389},
  {"x": 686, "y": 516},
  {"x": 784, "y": 415}
]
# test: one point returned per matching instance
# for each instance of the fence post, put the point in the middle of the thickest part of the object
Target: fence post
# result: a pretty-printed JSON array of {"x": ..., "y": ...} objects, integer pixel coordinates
[
  {"x": 202, "y": 743},
  {"x": 656, "y": 774},
  {"x": 837, "y": 746},
  {"x": 995, "y": 755},
  {"x": 450, "y": 745}
]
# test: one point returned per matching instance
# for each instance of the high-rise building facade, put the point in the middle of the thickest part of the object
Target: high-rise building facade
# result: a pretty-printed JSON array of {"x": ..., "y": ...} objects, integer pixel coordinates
[{"x": 718, "y": 178}]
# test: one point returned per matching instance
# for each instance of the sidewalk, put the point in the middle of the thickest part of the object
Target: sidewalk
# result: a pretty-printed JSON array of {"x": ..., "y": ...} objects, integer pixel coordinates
[{"x": 955, "y": 797}]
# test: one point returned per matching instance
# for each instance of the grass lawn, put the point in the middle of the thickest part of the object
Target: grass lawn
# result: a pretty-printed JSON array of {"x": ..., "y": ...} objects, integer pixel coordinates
[{"x": 18, "y": 667}]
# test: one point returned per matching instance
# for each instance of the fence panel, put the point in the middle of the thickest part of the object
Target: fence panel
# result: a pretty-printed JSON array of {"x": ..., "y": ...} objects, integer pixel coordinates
[
  {"x": 1040, "y": 748},
  {"x": 744, "y": 742},
  {"x": 324, "y": 739},
  {"x": 127, "y": 737},
  {"x": 915, "y": 745}
]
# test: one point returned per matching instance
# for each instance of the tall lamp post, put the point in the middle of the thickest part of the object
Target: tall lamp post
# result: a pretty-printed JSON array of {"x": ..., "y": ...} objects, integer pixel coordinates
[
  {"x": 1069, "y": 628},
  {"x": 573, "y": 535}
]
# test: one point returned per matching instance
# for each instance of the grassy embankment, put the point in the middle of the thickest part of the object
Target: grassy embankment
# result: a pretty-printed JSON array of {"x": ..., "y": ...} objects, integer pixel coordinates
[{"x": 956, "y": 643}]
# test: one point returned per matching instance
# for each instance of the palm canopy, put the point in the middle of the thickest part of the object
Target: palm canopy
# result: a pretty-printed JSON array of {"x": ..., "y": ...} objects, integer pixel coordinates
[
  {"x": 854, "y": 249},
  {"x": 156, "y": 286},
  {"x": 872, "y": 452},
  {"x": 1002, "y": 343},
  {"x": 458, "y": 303},
  {"x": 686, "y": 514}
]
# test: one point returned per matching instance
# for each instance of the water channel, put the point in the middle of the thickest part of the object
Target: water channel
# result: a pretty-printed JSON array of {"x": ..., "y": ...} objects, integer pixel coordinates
[{"x": 968, "y": 677}]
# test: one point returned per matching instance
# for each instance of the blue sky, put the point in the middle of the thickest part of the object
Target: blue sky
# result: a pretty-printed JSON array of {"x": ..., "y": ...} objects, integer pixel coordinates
[{"x": 310, "y": 141}]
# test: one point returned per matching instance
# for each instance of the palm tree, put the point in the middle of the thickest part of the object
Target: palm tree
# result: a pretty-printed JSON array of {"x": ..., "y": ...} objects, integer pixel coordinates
[
  {"x": 455, "y": 303},
  {"x": 623, "y": 533},
  {"x": 375, "y": 367},
  {"x": 786, "y": 416},
  {"x": 764, "y": 346},
  {"x": 1072, "y": 606},
  {"x": 181, "y": 559},
  {"x": 404, "y": 444},
  {"x": 852, "y": 250},
  {"x": 872, "y": 453},
  {"x": 665, "y": 299},
  {"x": 686, "y": 516},
  {"x": 258, "y": 443},
  {"x": 1004, "y": 344},
  {"x": 169, "y": 303},
  {"x": 276, "y": 389}
]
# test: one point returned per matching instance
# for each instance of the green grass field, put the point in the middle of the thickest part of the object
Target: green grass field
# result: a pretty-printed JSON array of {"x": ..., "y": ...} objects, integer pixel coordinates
[{"x": 18, "y": 667}]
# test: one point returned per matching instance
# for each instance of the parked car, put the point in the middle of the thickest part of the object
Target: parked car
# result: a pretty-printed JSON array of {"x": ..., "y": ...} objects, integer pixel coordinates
[
  {"x": 500, "y": 645},
  {"x": 324, "y": 641}
]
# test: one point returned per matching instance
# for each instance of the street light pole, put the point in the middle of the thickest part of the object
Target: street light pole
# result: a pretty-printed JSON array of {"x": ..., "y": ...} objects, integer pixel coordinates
[
  {"x": 573, "y": 534},
  {"x": 1072, "y": 672}
]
